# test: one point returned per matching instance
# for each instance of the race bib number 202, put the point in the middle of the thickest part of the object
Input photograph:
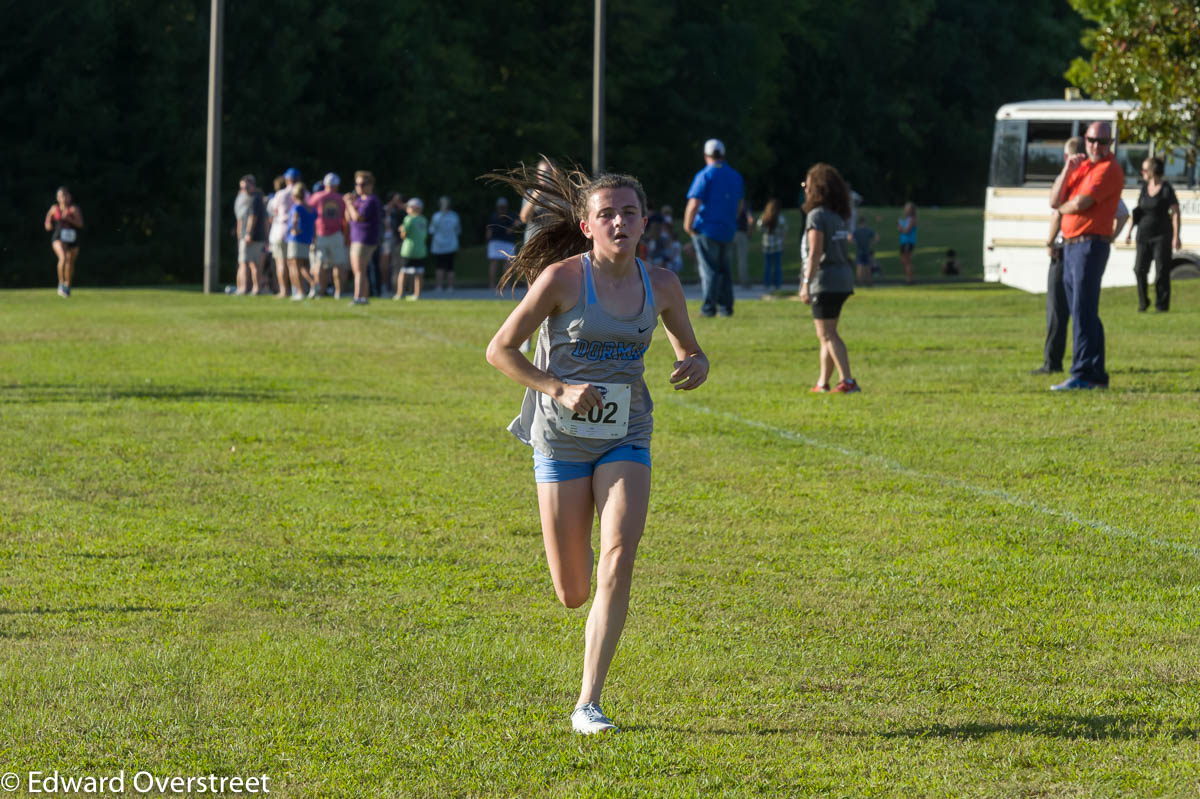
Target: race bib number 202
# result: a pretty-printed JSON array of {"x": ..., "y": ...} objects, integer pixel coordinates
[{"x": 609, "y": 419}]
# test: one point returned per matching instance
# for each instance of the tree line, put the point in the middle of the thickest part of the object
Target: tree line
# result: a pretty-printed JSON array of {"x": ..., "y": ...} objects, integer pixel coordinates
[{"x": 109, "y": 98}]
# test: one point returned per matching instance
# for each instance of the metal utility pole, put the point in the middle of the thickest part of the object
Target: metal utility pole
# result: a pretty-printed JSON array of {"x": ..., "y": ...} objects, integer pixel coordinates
[
  {"x": 212, "y": 199},
  {"x": 598, "y": 90}
]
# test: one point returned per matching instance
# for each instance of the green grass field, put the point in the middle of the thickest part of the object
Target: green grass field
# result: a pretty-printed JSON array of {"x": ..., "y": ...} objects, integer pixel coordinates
[{"x": 242, "y": 536}]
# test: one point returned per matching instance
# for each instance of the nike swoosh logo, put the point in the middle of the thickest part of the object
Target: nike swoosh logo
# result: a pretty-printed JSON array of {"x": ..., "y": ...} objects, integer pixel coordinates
[{"x": 644, "y": 329}]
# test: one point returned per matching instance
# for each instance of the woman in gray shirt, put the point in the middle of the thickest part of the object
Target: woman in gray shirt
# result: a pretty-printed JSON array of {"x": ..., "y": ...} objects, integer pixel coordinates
[
  {"x": 587, "y": 411},
  {"x": 827, "y": 278}
]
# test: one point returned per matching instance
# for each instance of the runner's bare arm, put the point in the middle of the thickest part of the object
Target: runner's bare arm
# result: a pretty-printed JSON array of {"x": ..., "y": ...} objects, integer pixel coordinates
[
  {"x": 691, "y": 364},
  {"x": 50, "y": 218},
  {"x": 554, "y": 291}
]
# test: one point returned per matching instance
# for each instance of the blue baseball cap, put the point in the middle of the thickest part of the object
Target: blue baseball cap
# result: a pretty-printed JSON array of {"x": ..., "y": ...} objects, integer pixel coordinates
[{"x": 292, "y": 173}]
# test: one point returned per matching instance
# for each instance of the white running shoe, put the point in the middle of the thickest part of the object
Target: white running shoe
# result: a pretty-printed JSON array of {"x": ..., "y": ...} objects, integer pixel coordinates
[{"x": 589, "y": 719}]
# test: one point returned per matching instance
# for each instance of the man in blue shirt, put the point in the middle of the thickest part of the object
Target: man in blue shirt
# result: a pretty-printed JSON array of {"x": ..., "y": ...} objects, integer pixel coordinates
[{"x": 714, "y": 203}]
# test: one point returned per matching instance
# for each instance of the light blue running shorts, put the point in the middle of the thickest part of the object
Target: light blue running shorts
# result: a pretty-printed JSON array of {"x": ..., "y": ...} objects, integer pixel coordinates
[{"x": 547, "y": 470}]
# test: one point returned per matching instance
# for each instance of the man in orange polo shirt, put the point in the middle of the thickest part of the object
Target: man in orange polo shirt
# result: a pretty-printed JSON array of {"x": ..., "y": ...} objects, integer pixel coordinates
[{"x": 1086, "y": 194}]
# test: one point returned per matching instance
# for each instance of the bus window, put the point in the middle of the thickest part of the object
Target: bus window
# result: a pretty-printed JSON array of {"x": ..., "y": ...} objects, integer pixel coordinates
[
  {"x": 1008, "y": 146},
  {"x": 1178, "y": 170},
  {"x": 1130, "y": 157},
  {"x": 1044, "y": 150}
]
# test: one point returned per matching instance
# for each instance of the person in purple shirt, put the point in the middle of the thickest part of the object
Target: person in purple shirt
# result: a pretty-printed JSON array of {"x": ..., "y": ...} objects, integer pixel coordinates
[
  {"x": 364, "y": 211},
  {"x": 714, "y": 204}
]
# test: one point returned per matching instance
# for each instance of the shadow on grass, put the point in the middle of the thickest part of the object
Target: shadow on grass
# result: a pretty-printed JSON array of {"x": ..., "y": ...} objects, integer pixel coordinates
[
  {"x": 33, "y": 393},
  {"x": 756, "y": 732},
  {"x": 96, "y": 609},
  {"x": 1083, "y": 727},
  {"x": 1153, "y": 370},
  {"x": 1088, "y": 728}
]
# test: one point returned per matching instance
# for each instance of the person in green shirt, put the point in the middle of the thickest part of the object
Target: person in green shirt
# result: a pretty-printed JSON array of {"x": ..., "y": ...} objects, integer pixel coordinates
[{"x": 414, "y": 249}]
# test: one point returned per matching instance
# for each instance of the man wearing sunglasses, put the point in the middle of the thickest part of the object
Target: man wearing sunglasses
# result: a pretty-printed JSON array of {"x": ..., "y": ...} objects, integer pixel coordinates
[{"x": 1086, "y": 193}]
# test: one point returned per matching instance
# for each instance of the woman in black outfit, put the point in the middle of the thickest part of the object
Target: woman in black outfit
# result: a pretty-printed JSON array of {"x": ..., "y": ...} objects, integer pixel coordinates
[{"x": 1157, "y": 221}]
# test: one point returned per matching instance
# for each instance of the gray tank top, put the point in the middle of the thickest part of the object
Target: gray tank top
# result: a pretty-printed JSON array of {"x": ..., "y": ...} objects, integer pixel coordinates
[{"x": 587, "y": 344}]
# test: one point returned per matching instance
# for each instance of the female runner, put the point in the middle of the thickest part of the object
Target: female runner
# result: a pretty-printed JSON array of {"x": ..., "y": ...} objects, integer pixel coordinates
[
  {"x": 587, "y": 412},
  {"x": 64, "y": 220}
]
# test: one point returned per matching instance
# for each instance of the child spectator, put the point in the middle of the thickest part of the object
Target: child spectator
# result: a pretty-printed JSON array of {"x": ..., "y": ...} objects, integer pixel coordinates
[
  {"x": 951, "y": 265},
  {"x": 864, "y": 246},
  {"x": 298, "y": 238},
  {"x": 907, "y": 225},
  {"x": 773, "y": 227},
  {"x": 415, "y": 233}
]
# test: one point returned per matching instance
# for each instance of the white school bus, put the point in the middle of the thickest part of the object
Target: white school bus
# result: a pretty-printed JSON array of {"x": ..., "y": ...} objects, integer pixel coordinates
[{"x": 1027, "y": 154}]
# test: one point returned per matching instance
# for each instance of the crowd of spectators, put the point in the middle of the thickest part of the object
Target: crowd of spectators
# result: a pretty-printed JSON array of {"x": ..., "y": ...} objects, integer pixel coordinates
[{"x": 307, "y": 243}]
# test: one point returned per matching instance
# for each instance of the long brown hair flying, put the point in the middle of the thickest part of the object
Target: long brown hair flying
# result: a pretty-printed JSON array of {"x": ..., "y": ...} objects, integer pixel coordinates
[{"x": 561, "y": 194}]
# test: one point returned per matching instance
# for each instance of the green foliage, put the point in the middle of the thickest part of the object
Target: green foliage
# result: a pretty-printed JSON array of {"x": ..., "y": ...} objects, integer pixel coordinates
[
  {"x": 1148, "y": 51},
  {"x": 110, "y": 98},
  {"x": 247, "y": 536}
]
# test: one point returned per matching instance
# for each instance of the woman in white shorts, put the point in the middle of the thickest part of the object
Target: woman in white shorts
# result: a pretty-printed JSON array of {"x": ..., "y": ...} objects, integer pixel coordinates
[
  {"x": 587, "y": 412},
  {"x": 501, "y": 241},
  {"x": 278, "y": 210}
]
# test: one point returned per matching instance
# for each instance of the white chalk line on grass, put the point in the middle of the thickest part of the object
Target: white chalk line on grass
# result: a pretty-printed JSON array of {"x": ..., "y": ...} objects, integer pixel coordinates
[
  {"x": 888, "y": 464},
  {"x": 898, "y": 468}
]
